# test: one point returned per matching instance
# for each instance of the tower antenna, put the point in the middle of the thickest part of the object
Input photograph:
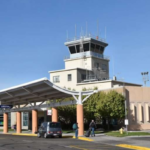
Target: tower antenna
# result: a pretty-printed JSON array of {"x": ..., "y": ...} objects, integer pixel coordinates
[
  {"x": 67, "y": 35},
  {"x": 81, "y": 32},
  {"x": 105, "y": 33},
  {"x": 86, "y": 29},
  {"x": 97, "y": 29},
  {"x": 75, "y": 31}
]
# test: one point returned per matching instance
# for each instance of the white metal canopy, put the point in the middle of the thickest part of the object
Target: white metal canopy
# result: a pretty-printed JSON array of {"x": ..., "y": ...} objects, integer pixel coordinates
[{"x": 39, "y": 91}]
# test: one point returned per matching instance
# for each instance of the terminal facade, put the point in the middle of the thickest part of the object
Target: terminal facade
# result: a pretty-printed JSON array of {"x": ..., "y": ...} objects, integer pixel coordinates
[{"x": 87, "y": 68}]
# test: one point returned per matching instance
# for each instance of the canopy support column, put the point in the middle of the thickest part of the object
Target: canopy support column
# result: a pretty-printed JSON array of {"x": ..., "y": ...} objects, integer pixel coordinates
[
  {"x": 5, "y": 115},
  {"x": 80, "y": 115},
  {"x": 18, "y": 122},
  {"x": 54, "y": 115},
  {"x": 34, "y": 121}
]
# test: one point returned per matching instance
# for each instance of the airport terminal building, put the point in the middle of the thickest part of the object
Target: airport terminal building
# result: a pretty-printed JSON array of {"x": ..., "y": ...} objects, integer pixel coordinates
[{"x": 87, "y": 68}]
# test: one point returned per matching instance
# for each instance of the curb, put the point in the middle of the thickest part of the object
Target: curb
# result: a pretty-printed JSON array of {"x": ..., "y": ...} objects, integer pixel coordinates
[
  {"x": 63, "y": 136},
  {"x": 35, "y": 135},
  {"x": 84, "y": 139}
]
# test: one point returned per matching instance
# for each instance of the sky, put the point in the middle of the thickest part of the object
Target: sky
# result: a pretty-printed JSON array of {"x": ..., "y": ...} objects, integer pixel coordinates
[{"x": 33, "y": 32}]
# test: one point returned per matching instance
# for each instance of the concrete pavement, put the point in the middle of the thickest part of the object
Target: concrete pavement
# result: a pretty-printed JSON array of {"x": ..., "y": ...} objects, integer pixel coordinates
[
  {"x": 10, "y": 142},
  {"x": 141, "y": 141}
]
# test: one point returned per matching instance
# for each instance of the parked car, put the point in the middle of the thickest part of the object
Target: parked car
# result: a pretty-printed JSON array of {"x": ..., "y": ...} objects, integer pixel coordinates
[{"x": 50, "y": 129}]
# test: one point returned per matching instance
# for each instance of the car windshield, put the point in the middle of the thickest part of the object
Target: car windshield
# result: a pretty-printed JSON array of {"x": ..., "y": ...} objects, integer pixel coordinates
[{"x": 55, "y": 125}]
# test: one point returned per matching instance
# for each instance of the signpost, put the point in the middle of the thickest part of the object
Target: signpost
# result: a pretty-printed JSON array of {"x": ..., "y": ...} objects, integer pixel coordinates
[
  {"x": 6, "y": 106},
  {"x": 49, "y": 112},
  {"x": 126, "y": 122}
]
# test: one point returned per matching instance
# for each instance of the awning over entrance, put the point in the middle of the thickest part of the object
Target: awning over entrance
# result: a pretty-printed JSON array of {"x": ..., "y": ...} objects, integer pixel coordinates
[{"x": 38, "y": 91}]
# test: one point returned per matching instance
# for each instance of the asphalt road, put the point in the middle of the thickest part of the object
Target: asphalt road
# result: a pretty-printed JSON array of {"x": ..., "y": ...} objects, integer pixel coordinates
[{"x": 11, "y": 142}]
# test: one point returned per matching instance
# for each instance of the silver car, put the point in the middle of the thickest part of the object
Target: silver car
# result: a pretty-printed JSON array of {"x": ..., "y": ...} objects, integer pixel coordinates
[{"x": 50, "y": 129}]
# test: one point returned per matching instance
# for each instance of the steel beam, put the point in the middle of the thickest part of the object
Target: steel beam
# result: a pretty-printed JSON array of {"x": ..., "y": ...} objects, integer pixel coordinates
[{"x": 52, "y": 104}]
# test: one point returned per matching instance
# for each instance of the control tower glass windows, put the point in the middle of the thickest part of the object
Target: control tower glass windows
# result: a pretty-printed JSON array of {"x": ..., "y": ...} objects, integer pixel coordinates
[
  {"x": 97, "y": 48},
  {"x": 72, "y": 49},
  {"x": 92, "y": 47},
  {"x": 101, "y": 50},
  {"x": 78, "y": 48},
  {"x": 86, "y": 47},
  {"x": 56, "y": 79}
]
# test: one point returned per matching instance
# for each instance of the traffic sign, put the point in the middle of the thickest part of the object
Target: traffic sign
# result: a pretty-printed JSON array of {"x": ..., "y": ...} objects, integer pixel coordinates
[
  {"x": 6, "y": 106},
  {"x": 49, "y": 112},
  {"x": 126, "y": 122}
]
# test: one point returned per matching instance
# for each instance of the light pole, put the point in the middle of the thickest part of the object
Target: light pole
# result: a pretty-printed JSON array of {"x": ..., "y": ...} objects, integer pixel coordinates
[{"x": 145, "y": 77}]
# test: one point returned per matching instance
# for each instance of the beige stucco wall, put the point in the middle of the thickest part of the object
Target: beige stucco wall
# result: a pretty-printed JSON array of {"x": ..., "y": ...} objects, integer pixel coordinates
[
  {"x": 78, "y": 63},
  {"x": 139, "y": 107},
  {"x": 90, "y": 85},
  {"x": 64, "y": 78}
]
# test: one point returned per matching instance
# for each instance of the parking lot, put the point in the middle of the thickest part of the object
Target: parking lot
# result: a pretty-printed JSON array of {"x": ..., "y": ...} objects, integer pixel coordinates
[{"x": 10, "y": 142}]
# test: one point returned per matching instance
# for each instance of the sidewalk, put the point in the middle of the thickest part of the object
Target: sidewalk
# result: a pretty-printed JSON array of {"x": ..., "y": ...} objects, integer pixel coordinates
[{"x": 129, "y": 140}]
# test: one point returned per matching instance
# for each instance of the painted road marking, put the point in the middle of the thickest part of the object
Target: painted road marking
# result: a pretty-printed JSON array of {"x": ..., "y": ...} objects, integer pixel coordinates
[
  {"x": 96, "y": 147},
  {"x": 78, "y": 147},
  {"x": 84, "y": 139},
  {"x": 133, "y": 147}
]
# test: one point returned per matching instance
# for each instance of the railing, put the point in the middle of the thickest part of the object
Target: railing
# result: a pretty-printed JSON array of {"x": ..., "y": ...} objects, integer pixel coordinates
[
  {"x": 86, "y": 36},
  {"x": 86, "y": 54}
]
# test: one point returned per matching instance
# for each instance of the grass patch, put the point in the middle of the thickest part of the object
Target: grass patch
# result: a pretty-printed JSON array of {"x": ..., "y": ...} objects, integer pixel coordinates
[
  {"x": 117, "y": 134},
  {"x": 68, "y": 131},
  {"x": 71, "y": 131}
]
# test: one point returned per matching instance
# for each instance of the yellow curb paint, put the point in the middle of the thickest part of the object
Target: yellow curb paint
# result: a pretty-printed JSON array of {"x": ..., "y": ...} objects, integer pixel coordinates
[
  {"x": 133, "y": 147},
  {"x": 22, "y": 134},
  {"x": 84, "y": 139}
]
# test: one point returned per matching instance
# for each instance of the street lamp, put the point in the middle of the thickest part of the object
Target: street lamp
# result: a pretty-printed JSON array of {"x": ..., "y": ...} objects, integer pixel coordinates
[{"x": 145, "y": 77}]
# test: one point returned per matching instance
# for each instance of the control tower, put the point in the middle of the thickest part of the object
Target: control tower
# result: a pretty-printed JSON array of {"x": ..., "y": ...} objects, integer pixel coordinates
[{"x": 88, "y": 53}]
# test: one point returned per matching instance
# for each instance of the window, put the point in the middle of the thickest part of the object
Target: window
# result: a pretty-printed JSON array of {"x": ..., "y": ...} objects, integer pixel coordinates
[
  {"x": 72, "y": 49},
  {"x": 83, "y": 76},
  {"x": 92, "y": 47},
  {"x": 25, "y": 118},
  {"x": 78, "y": 48},
  {"x": 101, "y": 50},
  {"x": 96, "y": 65},
  {"x": 97, "y": 48},
  {"x": 56, "y": 79},
  {"x": 104, "y": 67},
  {"x": 9, "y": 119},
  {"x": 55, "y": 125},
  {"x": 69, "y": 77},
  {"x": 86, "y": 47},
  {"x": 1, "y": 120}
]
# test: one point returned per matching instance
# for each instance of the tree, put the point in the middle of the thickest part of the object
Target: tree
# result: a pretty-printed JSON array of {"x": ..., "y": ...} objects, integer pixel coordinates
[
  {"x": 111, "y": 105},
  {"x": 107, "y": 105}
]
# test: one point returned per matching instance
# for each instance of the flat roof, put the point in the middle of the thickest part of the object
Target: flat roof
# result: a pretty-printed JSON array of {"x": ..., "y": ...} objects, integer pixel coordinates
[
  {"x": 68, "y": 70},
  {"x": 36, "y": 91},
  {"x": 103, "y": 81}
]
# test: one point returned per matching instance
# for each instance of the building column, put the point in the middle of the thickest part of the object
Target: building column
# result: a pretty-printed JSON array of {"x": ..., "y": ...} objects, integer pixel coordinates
[
  {"x": 19, "y": 125},
  {"x": 5, "y": 127},
  {"x": 80, "y": 120},
  {"x": 54, "y": 115},
  {"x": 34, "y": 121}
]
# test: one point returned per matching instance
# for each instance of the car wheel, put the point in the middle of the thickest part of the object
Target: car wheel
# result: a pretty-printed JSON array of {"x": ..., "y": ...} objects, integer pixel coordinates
[
  {"x": 60, "y": 136},
  {"x": 38, "y": 135},
  {"x": 45, "y": 135}
]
